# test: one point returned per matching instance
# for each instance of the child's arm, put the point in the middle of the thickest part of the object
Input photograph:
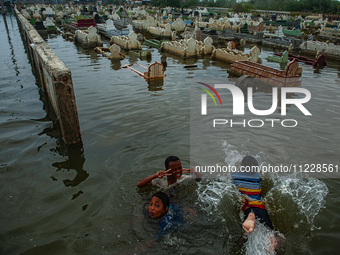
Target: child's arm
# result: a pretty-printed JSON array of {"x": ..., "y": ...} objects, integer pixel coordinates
[
  {"x": 147, "y": 181},
  {"x": 192, "y": 171}
]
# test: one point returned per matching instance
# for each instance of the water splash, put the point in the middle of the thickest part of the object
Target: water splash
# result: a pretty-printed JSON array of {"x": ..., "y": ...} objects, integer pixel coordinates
[
  {"x": 307, "y": 194},
  {"x": 234, "y": 154},
  {"x": 262, "y": 241},
  {"x": 292, "y": 201},
  {"x": 211, "y": 192}
]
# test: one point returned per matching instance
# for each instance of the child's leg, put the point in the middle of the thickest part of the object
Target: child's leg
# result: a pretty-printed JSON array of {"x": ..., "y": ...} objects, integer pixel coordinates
[
  {"x": 249, "y": 223},
  {"x": 273, "y": 242}
]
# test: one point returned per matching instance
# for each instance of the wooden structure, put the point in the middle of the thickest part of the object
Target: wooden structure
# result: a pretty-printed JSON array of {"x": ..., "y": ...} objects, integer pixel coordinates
[
  {"x": 283, "y": 58},
  {"x": 83, "y": 23},
  {"x": 154, "y": 43},
  {"x": 319, "y": 61},
  {"x": 296, "y": 32},
  {"x": 275, "y": 77},
  {"x": 154, "y": 71}
]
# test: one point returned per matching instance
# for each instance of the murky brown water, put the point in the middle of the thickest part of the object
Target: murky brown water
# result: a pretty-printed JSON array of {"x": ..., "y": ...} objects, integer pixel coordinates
[{"x": 59, "y": 200}]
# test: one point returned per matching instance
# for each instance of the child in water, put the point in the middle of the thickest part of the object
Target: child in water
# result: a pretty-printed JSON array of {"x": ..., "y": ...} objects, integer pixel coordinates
[
  {"x": 169, "y": 216},
  {"x": 169, "y": 177},
  {"x": 160, "y": 208},
  {"x": 249, "y": 185}
]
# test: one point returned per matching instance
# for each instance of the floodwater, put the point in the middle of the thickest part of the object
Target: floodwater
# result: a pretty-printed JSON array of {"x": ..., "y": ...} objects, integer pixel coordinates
[{"x": 60, "y": 200}]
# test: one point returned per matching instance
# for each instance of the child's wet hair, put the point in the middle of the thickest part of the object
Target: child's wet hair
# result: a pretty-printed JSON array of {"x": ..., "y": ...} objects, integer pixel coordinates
[
  {"x": 164, "y": 197},
  {"x": 170, "y": 159},
  {"x": 249, "y": 161}
]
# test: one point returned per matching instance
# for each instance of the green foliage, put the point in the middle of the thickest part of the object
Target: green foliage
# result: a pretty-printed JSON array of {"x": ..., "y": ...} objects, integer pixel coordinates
[
  {"x": 165, "y": 3},
  {"x": 151, "y": 12},
  {"x": 155, "y": 2},
  {"x": 80, "y": 17},
  {"x": 243, "y": 7},
  {"x": 309, "y": 6},
  {"x": 191, "y": 3},
  {"x": 218, "y": 3},
  {"x": 211, "y": 3}
]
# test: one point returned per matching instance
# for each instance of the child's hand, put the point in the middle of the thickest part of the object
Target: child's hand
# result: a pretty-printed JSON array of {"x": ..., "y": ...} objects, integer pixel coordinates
[
  {"x": 192, "y": 171},
  {"x": 189, "y": 171},
  {"x": 160, "y": 174}
]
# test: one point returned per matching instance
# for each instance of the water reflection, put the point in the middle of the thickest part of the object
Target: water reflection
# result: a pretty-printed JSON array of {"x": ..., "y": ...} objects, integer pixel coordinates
[
  {"x": 75, "y": 161},
  {"x": 258, "y": 86},
  {"x": 221, "y": 64},
  {"x": 318, "y": 69},
  {"x": 88, "y": 52},
  {"x": 11, "y": 46},
  {"x": 148, "y": 58},
  {"x": 206, "y": 62},
  {"x": 74, "y": 153},
  {"x": 165, "y": 64},
  {"x": 179, "y": 60},
  {"x": 141, "y": 54},
  {"x": 155, "y": 84},
  {"x": 116, "y": 64},
  {"x": 133, "y": 58}
]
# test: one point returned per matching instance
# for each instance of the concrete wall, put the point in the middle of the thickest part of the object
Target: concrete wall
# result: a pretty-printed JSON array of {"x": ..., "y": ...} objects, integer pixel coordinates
[{"x": 55, "y": 78}]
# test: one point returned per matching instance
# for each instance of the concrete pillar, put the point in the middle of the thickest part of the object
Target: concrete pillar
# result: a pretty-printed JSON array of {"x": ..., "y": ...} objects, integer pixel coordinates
[{"x": 55, "y": 78}]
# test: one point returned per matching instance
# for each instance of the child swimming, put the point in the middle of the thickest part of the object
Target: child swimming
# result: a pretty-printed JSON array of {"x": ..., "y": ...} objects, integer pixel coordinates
[
  {"x": 169, "y": 177},
  {"x": 160, "y": 207},
  {"x": 249, "y": 185},
  {"x": 169, "y": 217}
]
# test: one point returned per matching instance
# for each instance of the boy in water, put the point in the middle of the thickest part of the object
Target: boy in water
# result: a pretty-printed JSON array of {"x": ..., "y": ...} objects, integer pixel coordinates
[
  {"x": 249, "y": 185},
  {"x": 169, "y": 215},
  {"x": 169, "y": 177},
  {"x": 160, "y": 207}
]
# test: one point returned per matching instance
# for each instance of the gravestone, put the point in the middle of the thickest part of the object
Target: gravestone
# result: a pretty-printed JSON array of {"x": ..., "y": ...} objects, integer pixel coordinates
[
  {"x": 49, "y": 22},
  {"x": 130, "y": 27},
  {"x": 92, "y": 35},
  {"x": 110, "y": 25},
  {"x": 228, "y": 32},
  {"x": 178, "y": 25},
  {"x": 115, "y": 52},
  {"x": 279, "y": 31},
  {"x": 254, "y": 54},
  {"x": 244, "y": 29},
  {"x": 48, "y": 11},
  {"x": 167, "y": 29},
  {"x": 191, "y": 49},
  {"x": 198, "y": 34}
]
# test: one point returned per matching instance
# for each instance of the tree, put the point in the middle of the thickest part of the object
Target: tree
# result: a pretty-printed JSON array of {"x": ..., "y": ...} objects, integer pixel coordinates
[
  {"x": 191, "y": 3},
  {"x": 242, "y": 7},
  {"x": 211, "y": 3}
]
